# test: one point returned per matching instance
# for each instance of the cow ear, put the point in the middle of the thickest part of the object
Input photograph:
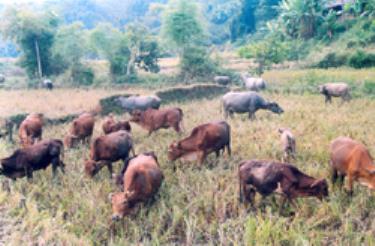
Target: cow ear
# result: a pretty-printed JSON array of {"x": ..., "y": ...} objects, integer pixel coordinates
[
  {"x": 316, "y": 182},
  {"x": 281, "y": 130}
]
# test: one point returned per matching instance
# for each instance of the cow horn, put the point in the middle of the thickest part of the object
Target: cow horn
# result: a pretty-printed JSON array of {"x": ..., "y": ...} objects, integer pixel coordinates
[
  {"x": 316, "y": 182},
  {"x": 110, "y": 195}
]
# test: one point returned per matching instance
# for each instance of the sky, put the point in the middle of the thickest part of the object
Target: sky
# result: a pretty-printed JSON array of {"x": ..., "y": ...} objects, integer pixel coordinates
[{"x": 20, "y": 1}]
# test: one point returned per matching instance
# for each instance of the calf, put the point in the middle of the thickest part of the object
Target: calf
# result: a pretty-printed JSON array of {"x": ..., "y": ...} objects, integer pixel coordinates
[
  {"x": 142, "y": 179},
  {"x": 253, "y": 83},
  {"x": 335, "y": 90},
  {"x": 288, "y": 143},
  {"x": 203, "y": 140},
  {"x": 153, "y": 119},
  {"x": 38, "y": 156},
  {"x": 31, "y": 129},
  {"x": 107, "y": 149},
  {"x": 81, "y": 130},
  {"x": 265, "y": 177},
  {"x": 110, "y": 125},
  {"x": 351, "y": 158}
]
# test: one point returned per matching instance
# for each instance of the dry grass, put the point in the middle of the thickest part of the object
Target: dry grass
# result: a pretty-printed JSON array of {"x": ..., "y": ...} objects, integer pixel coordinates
[{"x": 200, "y": 205}]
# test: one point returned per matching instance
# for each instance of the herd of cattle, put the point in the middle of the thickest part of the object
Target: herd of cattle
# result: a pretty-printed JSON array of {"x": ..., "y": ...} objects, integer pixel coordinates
[{"x": 141, "y": 175}]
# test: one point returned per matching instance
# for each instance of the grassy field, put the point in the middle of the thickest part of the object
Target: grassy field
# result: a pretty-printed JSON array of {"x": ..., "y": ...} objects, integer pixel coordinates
[{"x": 196, "y": 205}]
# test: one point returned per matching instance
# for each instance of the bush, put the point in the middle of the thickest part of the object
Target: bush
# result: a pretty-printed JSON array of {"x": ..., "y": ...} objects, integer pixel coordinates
[
  {"x": 360, "y": 59},
  {"x": 196, "y": 63},
  {"x": 122, "y": 79},
  {"x": 82, "y": 75},
  {"x": 333, "y": 60},
  {"x": 369, "y": 87}
]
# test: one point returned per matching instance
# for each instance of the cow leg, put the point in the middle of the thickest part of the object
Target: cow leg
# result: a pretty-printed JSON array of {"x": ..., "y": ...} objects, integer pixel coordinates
[
  {"x": 110, "y": 169},
  {"x": 29, "y": 173},
  {"x": 217, "y": 152},
  {"x": 350, "y": 184},
  {"x": 334, "y": 176},
  {"x": 201, "y": 157},
  {"x": 328, "y": 99}
]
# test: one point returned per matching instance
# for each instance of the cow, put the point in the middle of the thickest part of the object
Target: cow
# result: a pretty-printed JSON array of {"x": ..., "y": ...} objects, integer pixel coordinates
[
  {"x": 129, "y": 104},
  {"x": 288, "y": 142},
  {"x": 2, "y": 78},
  {"x": 352, "y": 159},
  {"x": 47, "y": 83},
  {"x": 253, "y": 83},
  {"x": 110, "y": 125},
  {"x": 107, "y": 149},
  {"x": 222, "y": 80},
  {"x": 81, "y": 130},
  {"x": 31, "y": 129},
  {"x": 330, "y": 90},
  {"x": 154, "y": 119},
  {"x": 203, "y": 140},
  {"x": 266, "y": 177},
  {"x": 23, "y": 162},
  {"x": 142, "y": 179},
  {"x": 247, "y": 102}
]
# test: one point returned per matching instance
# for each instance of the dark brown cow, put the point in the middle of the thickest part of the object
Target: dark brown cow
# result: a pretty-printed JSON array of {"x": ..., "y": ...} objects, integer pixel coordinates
[
  {"x": 38, "y": 156},
  {"x": 110, "y": 125},
  {"x": 203, "y": 140},
  {"x": 81, "y": 130},
  {"x": 265, "y": 177},
  {"x": 351, "y": 158},
  {"x": 31, "y": 129},
  {"x": 142, "y": 179},
  {"x": 107, "y": 149},
  {"x": 154, "y": 119}
]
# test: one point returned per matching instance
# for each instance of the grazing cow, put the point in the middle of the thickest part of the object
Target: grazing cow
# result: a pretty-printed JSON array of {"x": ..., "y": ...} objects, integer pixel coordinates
[
  {"x": 335, "y": 90},
  {"x": 351, "y": 158},
  {"x": 81, "y": 130},
  {"x": 154, "y": 119},
  {"x": 47, "y": 83},
  {"x": 253, "y": 84},
  {"x": 38, "y": 156},
  {"x": 265, "y": 177},
  {"x": 31, "y": 129},
  {"x": 222, "y": 80},
  {"x": 203, "y": 140},
  {"x": 247, "y": 102},
  {"x": 288, "y": 143},
  {"x": 138, "y": 102},
  {"x": 142, "y": 179},
  {"x": 110, "y": 125},
  {"x": 107, "y": 149}
]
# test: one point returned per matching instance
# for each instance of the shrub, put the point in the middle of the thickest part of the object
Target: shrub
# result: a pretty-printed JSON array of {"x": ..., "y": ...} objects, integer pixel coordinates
[
  {"x": 369, "y": 87},
  {"x": 82, "y": 75},
  {"x": 333, "y": 60},
  {"x": 360, "y": 59}
]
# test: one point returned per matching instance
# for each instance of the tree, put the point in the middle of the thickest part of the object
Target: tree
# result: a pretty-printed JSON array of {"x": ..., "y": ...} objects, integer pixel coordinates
[{"x": 34, "y": 35}]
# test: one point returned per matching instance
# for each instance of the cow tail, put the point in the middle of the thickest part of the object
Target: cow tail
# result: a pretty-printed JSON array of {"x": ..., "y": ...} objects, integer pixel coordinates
[{"x": 182, "y": 126}]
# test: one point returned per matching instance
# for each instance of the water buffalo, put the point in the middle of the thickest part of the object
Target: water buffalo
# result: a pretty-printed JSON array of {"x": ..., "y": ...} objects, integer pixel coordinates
[
  {"x": 47, "y": 83},
  {"x": 129, "y": 104},
  {"x": 335, "y": 90},
  {"x": 38, "y": 156},
  {"x": 247, "y": 102},
  {"x": 222, "y": 80},
  {"x": 253, "y": 83},
  {"x": 2, "y": 78}
]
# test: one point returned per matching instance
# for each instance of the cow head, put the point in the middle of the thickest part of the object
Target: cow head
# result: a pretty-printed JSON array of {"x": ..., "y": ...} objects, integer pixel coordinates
[
  {"x": 320, "y": 187},
  {"x": 120, "y": 204},
  {"x": 136, "y": 116},
  {"x": 175, "y": 151},
  {"x": 275, "y": 108},
  {"x": 91, "y": 168},
  {"x": 322, "y": 89}
]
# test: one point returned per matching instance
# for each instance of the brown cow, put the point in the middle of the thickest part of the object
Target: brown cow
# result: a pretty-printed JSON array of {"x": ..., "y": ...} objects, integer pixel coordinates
[
  {"x": 142, "y": 179},
  {"x": 351, "y": 158},
  {"x": 38, "y": 156},
  {"x": 154, "y": 119},
  {"x": 107, "y": 149},
  {"x": 203, "y": 140},
  {"x": 81, "y": 130},
  {"x": 265, "y": 177},
  {"x": 31, "y": 129},
  {"x": 110, "y": 125}
]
